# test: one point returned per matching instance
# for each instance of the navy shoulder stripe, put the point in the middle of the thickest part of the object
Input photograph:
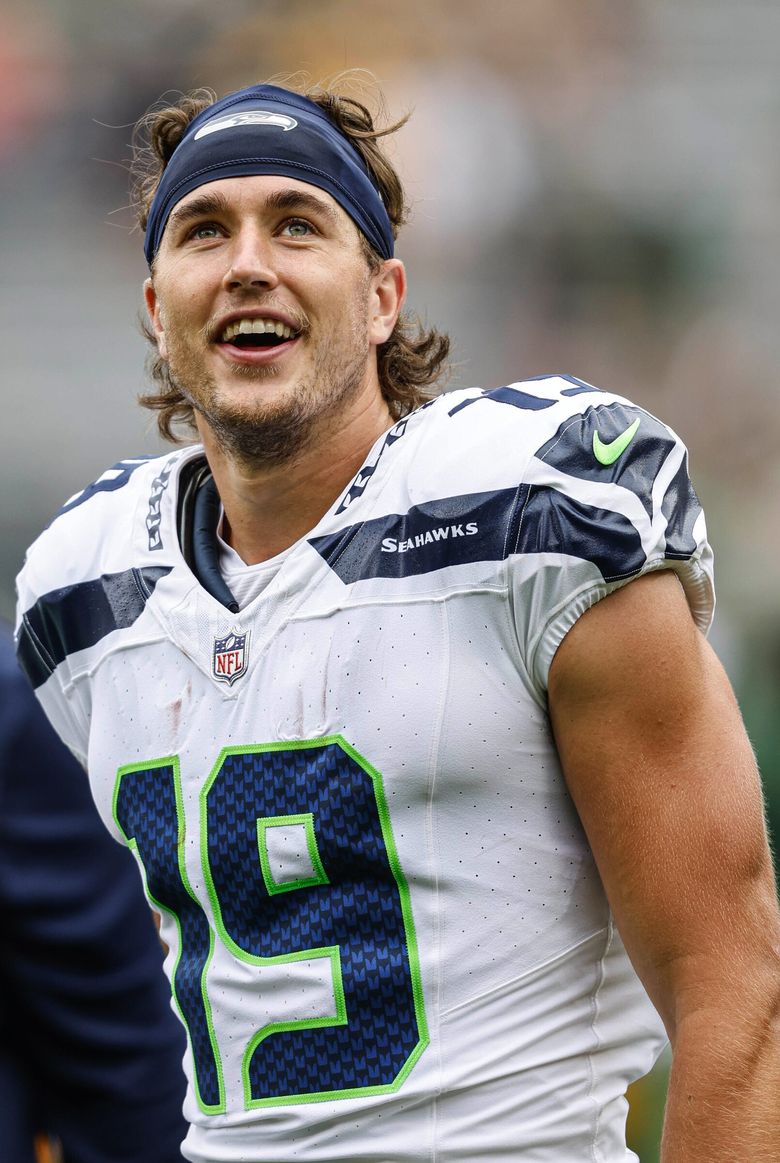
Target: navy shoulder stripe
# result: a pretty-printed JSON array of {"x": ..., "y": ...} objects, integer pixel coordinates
[
  {"x": 555, "y": 523},
  {"x": 67, "y": 620},
  {"x": 507, "y": 395},
  {"x": 431, "y": 536},
  {"x": 483, "y": 527}
]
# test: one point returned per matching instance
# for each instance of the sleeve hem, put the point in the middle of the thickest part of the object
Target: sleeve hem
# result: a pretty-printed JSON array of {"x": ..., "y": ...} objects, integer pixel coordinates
[{"x": 694, "y": 578}]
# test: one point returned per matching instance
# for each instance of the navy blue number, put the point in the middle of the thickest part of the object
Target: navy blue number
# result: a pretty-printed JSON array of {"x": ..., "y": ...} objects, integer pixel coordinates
[
  {"x": 147, "y": 809},
  {"x": 112, "y": 479},
  {"x": 359, "y": 907},
  {"x": 351, "y": 908}
]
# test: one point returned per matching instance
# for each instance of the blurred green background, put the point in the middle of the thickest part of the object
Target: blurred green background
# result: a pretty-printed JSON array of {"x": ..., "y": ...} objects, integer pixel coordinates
[{"x": 595, "y": 190}]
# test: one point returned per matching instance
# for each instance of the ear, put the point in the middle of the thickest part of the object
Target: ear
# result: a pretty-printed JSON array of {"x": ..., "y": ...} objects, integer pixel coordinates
[
  {"x": 389, "y": 292},
  {"x": 153, "y": 310}
]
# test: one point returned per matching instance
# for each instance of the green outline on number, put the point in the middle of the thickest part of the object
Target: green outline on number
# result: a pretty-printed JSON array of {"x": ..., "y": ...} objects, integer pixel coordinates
[
  {"x": 172, "y": 761},
  {"x": 333, "y": 952},
  {"x": 409, "y": 929},
  {"x": 307, "y": 820}
]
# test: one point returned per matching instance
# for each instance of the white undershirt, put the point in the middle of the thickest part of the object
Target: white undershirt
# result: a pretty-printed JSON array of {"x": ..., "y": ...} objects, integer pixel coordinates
[{"x": 245, "y": 582}]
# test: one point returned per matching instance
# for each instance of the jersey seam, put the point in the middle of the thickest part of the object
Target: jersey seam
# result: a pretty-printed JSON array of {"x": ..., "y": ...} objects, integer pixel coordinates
[
  {"x": 440, "y": 919},
  {"x": 613, "y": 577},
  {"x": 38, "y": 645},
  {"x": 88, "y": 672},
  {"x": 143, "y": 591},
  {"x": 513, "y": 640},
  {"x": 577, "y": 418},
  {"x": 538, "y": 968},
  {"x": 440, "y": 595}
]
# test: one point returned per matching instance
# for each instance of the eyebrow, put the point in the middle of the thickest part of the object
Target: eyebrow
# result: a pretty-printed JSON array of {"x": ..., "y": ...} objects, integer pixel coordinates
[
  {"x": 300, "y": 200},
  {"x": 216, "y": 203},
  {"x": 202, "y": 206}
]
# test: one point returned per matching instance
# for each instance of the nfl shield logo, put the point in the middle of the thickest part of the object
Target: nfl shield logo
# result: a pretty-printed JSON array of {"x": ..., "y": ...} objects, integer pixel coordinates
[{"x": 230, "y": 657}]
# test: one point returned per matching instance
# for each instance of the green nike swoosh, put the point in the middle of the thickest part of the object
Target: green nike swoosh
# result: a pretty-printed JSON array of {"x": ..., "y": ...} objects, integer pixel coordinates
[{"x": 608, "y": 453}]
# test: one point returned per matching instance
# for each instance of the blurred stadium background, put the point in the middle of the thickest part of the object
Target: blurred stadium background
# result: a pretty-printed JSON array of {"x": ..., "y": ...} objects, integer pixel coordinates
[{"x": 596, "y": 189}]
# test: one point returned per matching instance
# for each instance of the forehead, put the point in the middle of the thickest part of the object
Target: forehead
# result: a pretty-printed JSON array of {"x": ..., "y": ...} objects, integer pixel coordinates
[{"x": 259, "y": 193}]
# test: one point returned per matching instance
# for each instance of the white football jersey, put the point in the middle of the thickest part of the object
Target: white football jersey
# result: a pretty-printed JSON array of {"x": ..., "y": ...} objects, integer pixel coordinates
[{"x": 388, "y": 939}]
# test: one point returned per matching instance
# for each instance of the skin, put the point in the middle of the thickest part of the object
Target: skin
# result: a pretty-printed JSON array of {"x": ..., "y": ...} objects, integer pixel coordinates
[
  {"x": 663, "y": 776},
  {"x": 284, "y": 431},
  {"x": 649, "y": 734}
]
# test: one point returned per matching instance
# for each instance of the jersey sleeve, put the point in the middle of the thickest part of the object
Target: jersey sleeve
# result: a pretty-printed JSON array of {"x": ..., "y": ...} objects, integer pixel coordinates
[
  {"x": 605, "y": 500},
  {"x": 48, "y": 671},
  {"x": 87, "y": 574}
]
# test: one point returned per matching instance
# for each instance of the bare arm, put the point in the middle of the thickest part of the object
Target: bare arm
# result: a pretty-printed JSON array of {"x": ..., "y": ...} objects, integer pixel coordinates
[{"x": 662, "y": 774}]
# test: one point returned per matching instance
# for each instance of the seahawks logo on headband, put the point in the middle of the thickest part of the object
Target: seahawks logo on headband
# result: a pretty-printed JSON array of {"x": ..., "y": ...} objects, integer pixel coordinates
[{"x": 253, "y": 117}]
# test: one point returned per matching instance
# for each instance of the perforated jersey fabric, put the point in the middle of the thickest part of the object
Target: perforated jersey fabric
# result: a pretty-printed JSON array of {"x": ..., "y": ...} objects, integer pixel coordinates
[{"x": 388, "y": 939}]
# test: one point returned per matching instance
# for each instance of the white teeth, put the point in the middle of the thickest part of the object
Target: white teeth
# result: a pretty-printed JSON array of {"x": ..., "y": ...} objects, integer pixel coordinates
[{"x": 256, "y": 327}]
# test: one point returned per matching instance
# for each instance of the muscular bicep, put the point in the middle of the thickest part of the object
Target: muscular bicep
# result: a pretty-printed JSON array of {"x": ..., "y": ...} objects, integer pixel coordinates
[{"x": 662, "y": 774}]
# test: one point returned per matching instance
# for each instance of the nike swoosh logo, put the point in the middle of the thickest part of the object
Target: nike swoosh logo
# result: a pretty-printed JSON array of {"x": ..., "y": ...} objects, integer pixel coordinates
[{"x": 607, "y": 454}]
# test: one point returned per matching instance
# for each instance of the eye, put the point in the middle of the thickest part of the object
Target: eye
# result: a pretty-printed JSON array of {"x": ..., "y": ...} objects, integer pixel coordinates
[
  {"x": 297, "y": 228},
  {"x": 204, "y": 230}
]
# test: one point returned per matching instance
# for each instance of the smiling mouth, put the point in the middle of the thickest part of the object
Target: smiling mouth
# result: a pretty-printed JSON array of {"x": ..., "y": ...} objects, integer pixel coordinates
[{"x": 257, "y": 334}]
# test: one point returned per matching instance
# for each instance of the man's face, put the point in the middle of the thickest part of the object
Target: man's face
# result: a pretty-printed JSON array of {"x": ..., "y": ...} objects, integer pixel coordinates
[{"x": 267, "y": 312}]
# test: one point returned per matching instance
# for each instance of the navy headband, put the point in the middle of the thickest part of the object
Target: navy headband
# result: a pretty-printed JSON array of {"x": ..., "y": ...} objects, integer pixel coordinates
[{"x": 268, "y": 130}]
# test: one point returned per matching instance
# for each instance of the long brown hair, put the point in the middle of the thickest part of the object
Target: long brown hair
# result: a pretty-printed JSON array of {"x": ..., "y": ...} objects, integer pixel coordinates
[{"x": 409, "y": 362}]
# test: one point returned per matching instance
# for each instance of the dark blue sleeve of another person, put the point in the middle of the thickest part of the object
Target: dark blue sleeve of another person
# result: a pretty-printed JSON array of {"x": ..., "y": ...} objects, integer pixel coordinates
[{"x": 90, "y": 1050}]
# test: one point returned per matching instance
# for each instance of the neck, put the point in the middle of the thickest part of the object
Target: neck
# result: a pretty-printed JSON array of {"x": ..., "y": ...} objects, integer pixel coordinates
[{"x": 270, "y": 507}]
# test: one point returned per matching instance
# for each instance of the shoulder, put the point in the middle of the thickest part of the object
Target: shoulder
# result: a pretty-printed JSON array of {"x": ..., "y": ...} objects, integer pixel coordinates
[
  {"x": 586, "y": 489},
  {"x": 502, "y": 437},
  {"x": 112, "y": 524},
  {"x": 93, "y": 569}
]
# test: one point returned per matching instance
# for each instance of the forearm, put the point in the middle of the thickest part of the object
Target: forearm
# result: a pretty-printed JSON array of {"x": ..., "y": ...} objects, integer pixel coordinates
[{"x": 724, "y": 1091}]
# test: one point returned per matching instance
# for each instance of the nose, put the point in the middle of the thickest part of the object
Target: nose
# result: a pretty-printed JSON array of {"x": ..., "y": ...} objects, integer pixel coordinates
[{"x": 251, "y": 261}]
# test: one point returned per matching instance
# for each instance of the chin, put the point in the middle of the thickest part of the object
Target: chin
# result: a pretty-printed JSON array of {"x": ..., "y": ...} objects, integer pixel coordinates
[{"x": 268, "y": 431}]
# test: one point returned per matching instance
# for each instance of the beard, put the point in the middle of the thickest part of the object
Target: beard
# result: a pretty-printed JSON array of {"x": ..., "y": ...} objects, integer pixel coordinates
[{"x": 266, "y": 432}]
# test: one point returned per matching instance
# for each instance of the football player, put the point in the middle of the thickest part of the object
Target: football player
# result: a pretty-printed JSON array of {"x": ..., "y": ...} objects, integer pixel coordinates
[{"x": 403, "y": 701}]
